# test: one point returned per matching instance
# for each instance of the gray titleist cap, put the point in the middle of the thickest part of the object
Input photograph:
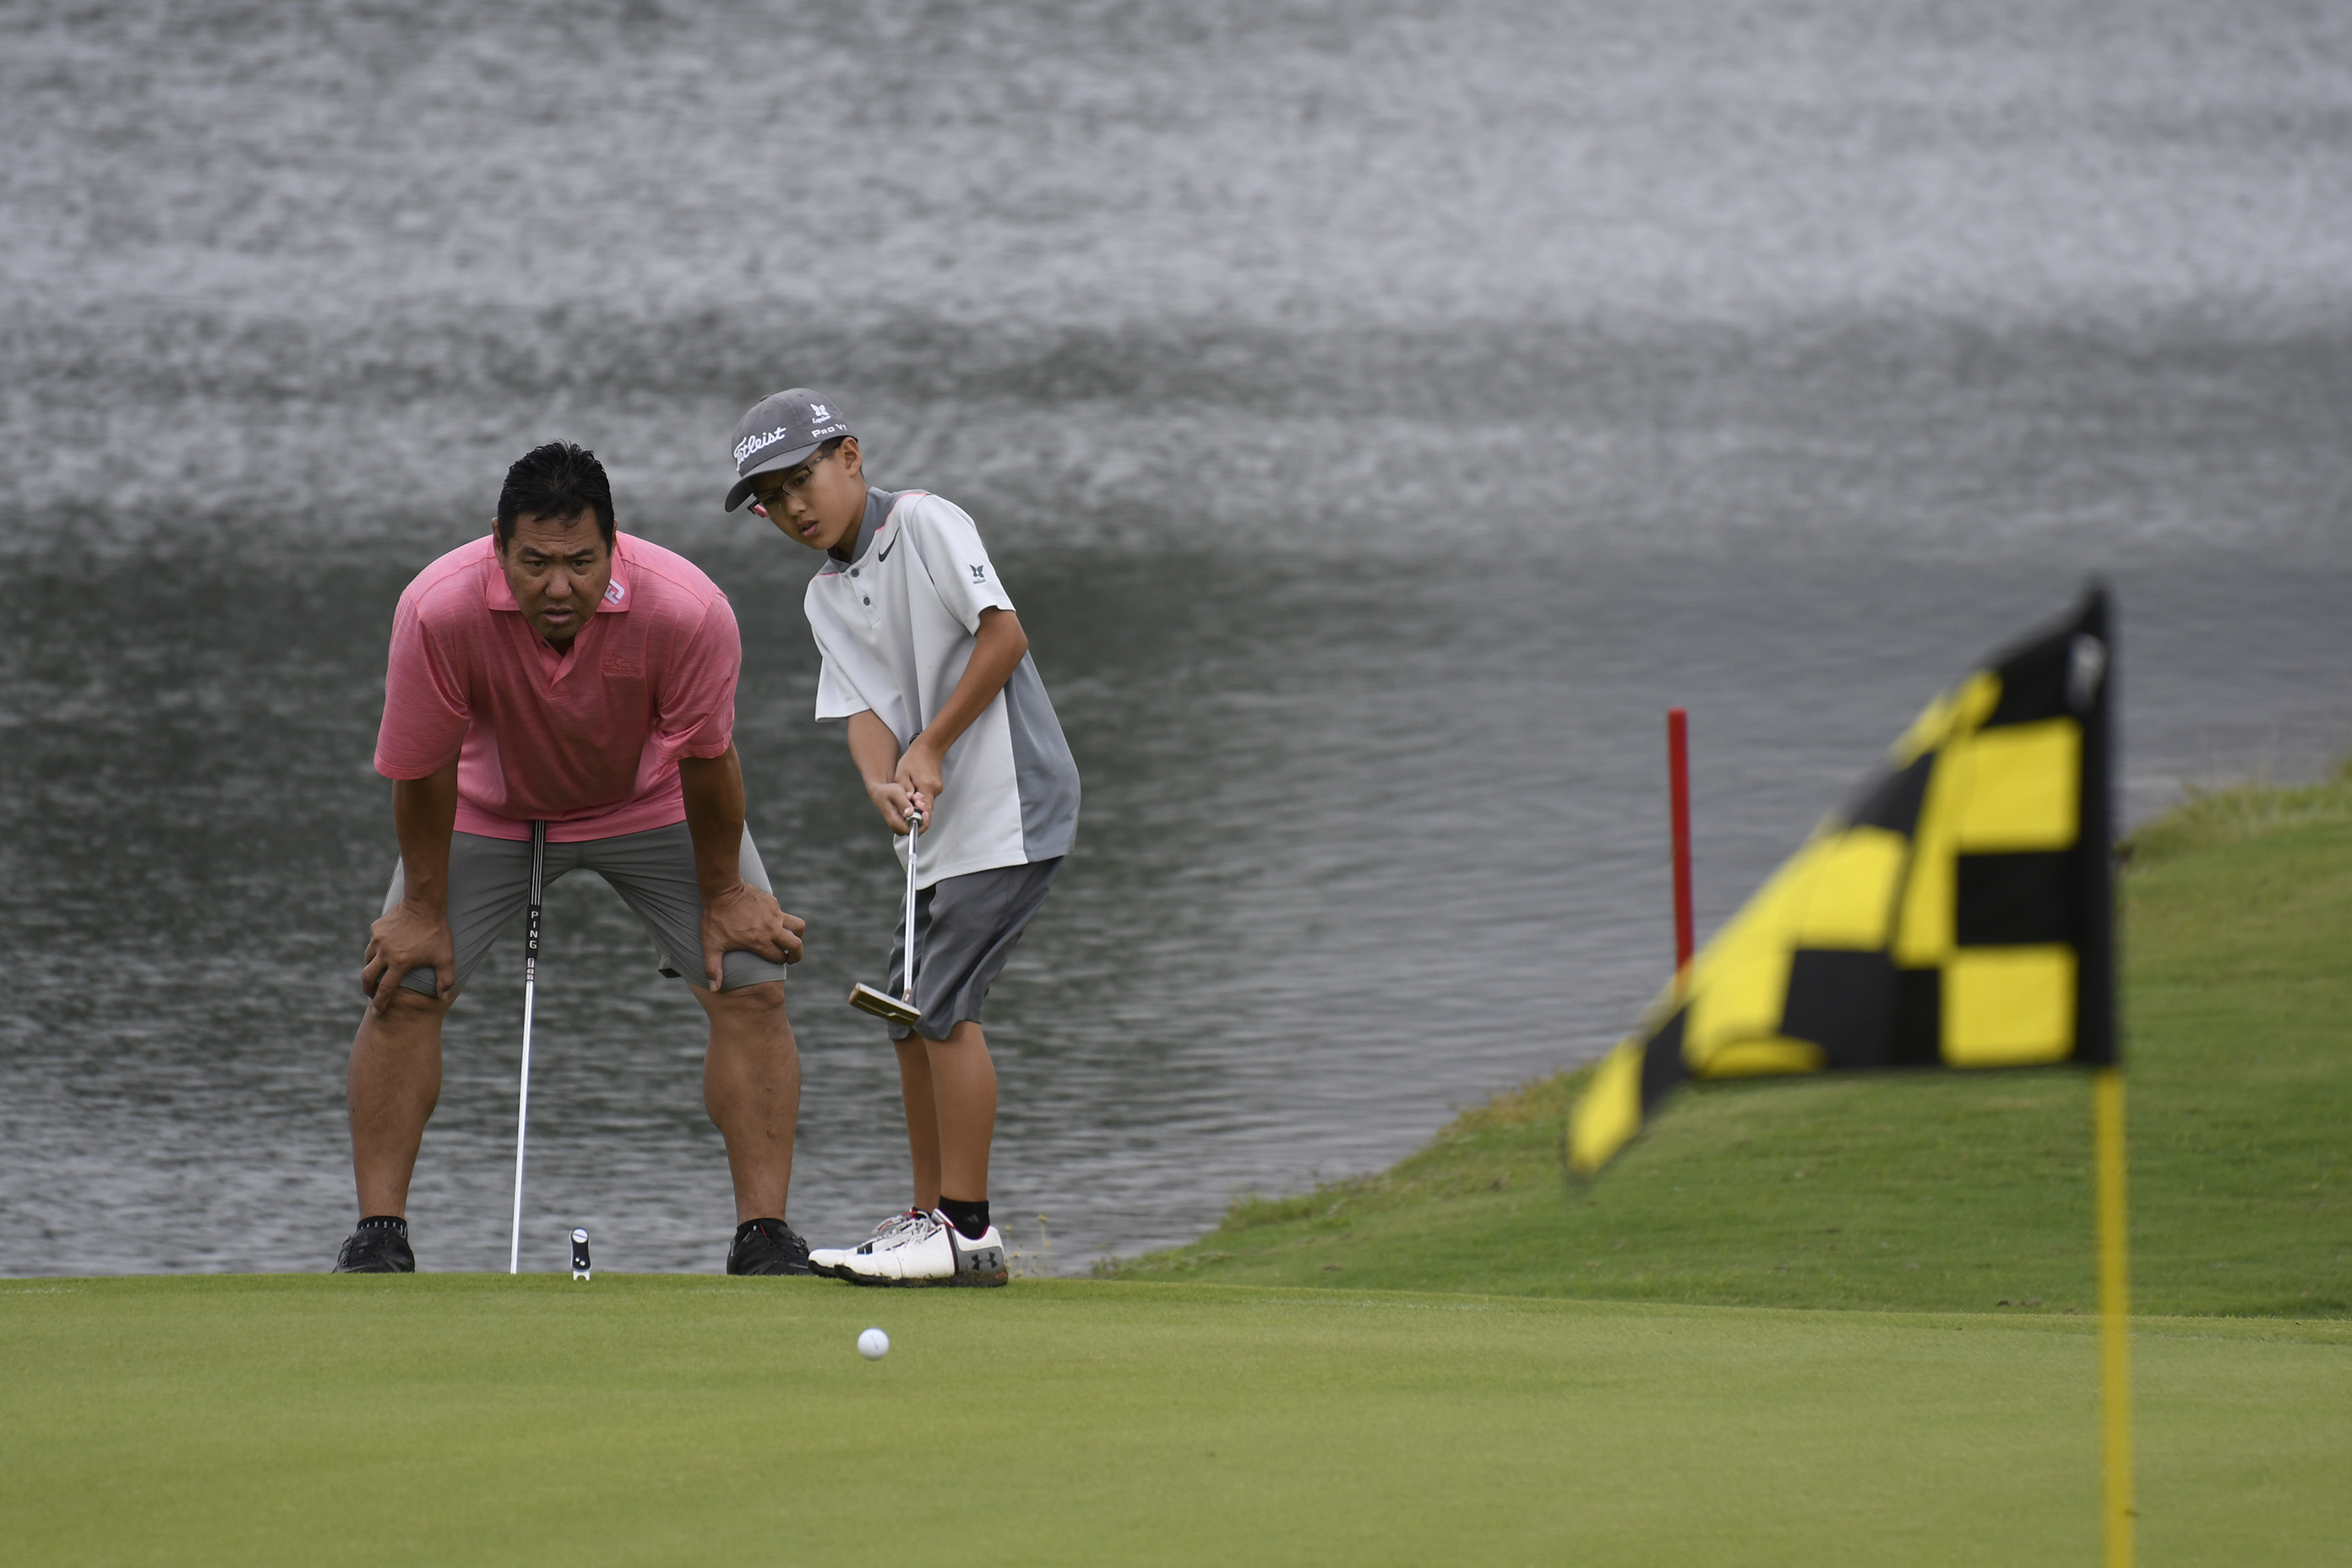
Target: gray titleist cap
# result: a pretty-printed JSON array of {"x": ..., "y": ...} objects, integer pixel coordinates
[{"x": 780, "y": 431}]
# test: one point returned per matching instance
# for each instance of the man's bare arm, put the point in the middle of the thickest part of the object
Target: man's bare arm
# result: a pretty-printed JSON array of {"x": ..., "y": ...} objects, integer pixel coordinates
[
  {"x": 713, "y": 787},
  {"x": 736, "y": 916},
  {"x": 416, "y": 932}
]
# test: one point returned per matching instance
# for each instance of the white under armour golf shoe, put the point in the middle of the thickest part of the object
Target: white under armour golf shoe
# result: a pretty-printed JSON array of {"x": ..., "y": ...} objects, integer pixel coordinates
[
  {"x": 826, "y": 1260},
  {"x": 931, "y": 1252}
]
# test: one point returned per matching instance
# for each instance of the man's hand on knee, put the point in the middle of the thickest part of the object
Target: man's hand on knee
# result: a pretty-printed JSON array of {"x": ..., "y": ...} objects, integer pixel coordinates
[
  {"x": 745, "y": 919},
  {"x": 408, "y": 938}
]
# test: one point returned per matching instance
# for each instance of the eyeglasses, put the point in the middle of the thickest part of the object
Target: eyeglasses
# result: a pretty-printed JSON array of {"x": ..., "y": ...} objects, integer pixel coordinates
[{"x": 770, "y": 488}]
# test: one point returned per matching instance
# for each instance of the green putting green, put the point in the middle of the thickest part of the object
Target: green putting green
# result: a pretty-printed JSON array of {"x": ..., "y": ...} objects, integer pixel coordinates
[
  {"x": 651, "y": 1419},
  {"x": 1464, "y": 1412}
]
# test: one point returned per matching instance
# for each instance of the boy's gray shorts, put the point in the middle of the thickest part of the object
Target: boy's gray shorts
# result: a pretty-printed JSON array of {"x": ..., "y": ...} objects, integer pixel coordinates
[
  {"x": 964, "y": 930},
  {"x": 489, "y": 886}
]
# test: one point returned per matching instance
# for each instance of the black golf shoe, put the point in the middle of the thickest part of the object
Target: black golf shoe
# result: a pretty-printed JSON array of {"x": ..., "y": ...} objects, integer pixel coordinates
[
  {"x": 379, "y": 1246},
  {"x": 767, "y": 1246}
]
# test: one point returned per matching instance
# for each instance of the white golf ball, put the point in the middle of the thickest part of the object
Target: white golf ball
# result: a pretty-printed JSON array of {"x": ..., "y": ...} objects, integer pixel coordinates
[{"x": 873, "y": 1344}]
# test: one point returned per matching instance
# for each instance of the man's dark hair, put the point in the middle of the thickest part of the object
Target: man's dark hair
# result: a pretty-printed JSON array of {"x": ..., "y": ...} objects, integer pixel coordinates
[{"x": 558, "y": 480}]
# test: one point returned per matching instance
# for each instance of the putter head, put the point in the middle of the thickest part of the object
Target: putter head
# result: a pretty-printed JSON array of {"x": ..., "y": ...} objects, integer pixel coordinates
[{"x": 882, "y": 1005}]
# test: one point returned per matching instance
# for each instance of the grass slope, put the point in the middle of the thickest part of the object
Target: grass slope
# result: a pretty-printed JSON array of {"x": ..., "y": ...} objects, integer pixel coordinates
[
  {"x": 481, "y": 1419},
  {"x": 1935, "y": 1191}
]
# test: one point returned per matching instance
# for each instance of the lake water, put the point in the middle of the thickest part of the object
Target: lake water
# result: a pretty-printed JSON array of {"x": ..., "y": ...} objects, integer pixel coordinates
[{"x": 1380, "y": 414}]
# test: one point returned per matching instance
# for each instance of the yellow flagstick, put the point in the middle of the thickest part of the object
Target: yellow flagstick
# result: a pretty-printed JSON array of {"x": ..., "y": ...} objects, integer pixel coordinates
[{"x": 2115, "y": 1313}]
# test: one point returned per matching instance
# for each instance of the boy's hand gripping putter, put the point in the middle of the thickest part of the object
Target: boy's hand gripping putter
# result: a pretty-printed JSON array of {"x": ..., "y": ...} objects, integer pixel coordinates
[{"x": 881, "y": 1003}]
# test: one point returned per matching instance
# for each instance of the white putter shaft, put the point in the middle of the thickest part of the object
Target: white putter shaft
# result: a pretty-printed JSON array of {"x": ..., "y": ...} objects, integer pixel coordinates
[
  {"x": 914, "y": 842},
  {"x": 530, "y": 995}
]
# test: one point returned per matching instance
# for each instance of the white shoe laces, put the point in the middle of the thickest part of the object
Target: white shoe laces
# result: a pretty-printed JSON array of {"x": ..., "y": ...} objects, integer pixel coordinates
[{"x": 899, "y": 1230}]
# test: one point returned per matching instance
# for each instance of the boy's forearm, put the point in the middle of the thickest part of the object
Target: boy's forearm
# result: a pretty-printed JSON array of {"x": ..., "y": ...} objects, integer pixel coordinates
[
  {"x": 423, "y": 816},
  {"x": 873, "y": 749},
  {"x": 996, "y": 653},
  {"x": 713, "y": 787}
]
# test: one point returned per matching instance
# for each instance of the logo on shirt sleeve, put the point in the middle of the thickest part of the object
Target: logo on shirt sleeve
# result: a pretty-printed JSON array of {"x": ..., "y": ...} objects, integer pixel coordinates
[{"x": 979, "y": 574}]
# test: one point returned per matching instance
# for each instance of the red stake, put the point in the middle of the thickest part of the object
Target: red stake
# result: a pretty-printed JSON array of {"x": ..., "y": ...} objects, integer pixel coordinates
[{"x": 1678, "y": 793}]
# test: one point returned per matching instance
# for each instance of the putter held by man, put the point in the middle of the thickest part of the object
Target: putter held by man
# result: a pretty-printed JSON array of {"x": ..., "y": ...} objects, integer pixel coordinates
[
  {"x": 530, "y": 1005},
  {"x": 952, "y": 731}
]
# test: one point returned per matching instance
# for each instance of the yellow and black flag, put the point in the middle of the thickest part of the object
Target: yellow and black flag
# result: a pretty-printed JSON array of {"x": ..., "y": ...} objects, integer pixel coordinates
[{"x": 1959, "y": 913}]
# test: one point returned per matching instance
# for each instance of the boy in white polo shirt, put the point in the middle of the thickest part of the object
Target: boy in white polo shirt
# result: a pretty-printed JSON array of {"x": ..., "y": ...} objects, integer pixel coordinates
[{"x": 927, "y": 664}]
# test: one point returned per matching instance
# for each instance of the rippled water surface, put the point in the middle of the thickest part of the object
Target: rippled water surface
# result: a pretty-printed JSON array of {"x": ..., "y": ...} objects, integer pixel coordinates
[{"x": 1379, "y": 412}]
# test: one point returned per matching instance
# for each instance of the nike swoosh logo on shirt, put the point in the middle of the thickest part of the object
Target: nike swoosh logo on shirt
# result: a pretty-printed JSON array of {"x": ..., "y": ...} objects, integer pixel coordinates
[{"x": 883, "y": 553}]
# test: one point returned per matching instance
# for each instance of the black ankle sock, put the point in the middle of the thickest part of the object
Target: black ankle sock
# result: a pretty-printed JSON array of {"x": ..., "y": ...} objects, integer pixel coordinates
[
  {"x": 969, "y": 1219},
  {"x": 384, "y": 1221},
  {"x": 749, "y": 1225}
]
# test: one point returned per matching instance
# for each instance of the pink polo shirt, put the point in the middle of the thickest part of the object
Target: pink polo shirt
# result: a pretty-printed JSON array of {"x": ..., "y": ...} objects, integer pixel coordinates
[{"x": 588, "y": 742}]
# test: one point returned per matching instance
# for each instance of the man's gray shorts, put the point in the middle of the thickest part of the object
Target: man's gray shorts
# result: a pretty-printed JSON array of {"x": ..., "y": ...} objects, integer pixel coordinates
[
  {"x": 965, "y": 928},
  {"x": 489, "y": 887}
]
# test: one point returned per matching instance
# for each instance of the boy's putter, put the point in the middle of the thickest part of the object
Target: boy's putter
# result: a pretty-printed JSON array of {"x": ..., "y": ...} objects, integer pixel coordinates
[
  {"x": 580, "y": 1269},
  {"x": 881, "y": 1003}
]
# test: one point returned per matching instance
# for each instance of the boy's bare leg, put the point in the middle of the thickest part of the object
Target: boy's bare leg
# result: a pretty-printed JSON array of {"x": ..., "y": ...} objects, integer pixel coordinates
[
  {"x": 922, "y": 1118},
  {"x": 751, "y": 1087},
  {"x": 964, "y": 1090},
  {"x": 394, "y": 1084}
]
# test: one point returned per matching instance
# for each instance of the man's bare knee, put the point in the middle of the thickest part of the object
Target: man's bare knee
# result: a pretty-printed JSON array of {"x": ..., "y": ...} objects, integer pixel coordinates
[
  {"x": 409, "y": 1008},
  {"x": 751, "y": 1004}
]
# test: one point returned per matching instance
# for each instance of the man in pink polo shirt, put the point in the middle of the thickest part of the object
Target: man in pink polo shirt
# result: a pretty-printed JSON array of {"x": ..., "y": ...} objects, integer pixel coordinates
[{"x": 559, "y": 671}]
